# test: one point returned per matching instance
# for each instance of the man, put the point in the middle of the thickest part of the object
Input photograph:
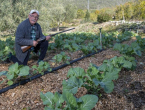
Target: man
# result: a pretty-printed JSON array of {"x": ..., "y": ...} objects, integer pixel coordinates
[{"x": 27, "y": 33}]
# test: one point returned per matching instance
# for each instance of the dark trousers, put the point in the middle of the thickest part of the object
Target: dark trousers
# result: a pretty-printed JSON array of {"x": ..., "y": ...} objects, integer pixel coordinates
[{"x": 42, "y": 46}]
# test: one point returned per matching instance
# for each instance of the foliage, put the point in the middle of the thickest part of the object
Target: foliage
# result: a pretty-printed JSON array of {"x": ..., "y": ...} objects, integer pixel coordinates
[
  {"x": 57, "y": 13},
  {"x": 6, "y": 47},
  {"x": 129, "y": 50},
  {"x": 141, "y": 42},
  {"x": 103, "y": 17},
  {"x": 61, "y": 57},
  {"x": 56, "y": 101},
  {"x": 16, "y": 71},
  {"x": 71, "y": 13},
  {"x": 80, "y": 13},
  {"x": 41, "y": 68},
  {"x": 93, "y": 16},
  {"x": 119, "y": 12},
  {"x": 128, "y": 10},
  {"x": 87, "y": 16}
]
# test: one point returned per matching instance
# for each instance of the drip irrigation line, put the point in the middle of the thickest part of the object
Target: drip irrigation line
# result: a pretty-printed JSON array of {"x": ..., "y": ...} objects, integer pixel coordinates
[{"x": 46, "y": 72}]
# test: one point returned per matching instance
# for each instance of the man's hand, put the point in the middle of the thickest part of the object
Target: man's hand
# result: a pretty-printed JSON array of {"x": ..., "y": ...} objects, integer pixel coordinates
[
  {"x": 48, "y": 37},
  {"x": 35, "y": 43}
]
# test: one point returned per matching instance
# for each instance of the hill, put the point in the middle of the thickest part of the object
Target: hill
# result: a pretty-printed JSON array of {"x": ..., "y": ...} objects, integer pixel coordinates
[{"x": 94, "y": 4}]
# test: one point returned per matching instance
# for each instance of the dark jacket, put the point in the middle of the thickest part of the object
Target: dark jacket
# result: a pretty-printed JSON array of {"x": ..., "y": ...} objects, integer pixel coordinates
[{"x": 23, "y": 38}]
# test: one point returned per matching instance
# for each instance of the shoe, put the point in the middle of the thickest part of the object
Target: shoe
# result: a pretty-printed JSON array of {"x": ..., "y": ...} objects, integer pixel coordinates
[
  {"x": 8, "y": 60},
  {"x": 10, "y": 55}
]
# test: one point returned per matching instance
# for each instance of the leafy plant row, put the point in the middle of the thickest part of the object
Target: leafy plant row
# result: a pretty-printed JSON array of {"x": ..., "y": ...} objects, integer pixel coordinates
[
  {"x": 6, "y": 47},
  {"x": 18, "y": 71},
  {"x": 94, "y": 79},
  {"x": 135, "y": 48},
  {"x": 86, "y": 42}
]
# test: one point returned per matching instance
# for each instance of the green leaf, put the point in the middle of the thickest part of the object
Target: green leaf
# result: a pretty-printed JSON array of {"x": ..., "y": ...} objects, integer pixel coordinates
[
  {"x": 3, "y": 73},
  {"x": 70, "y": 99},
  {"x": 117, "y": 46},
  {"x": 89, "y": 101},
  {"x": 72, "y": 84},
  {"x": 34, "y": 66},
  {"x": 127, "y": 64},
  {"x": 58, "y": 100},
  {"x": 14, "y": 68},
  {"x": 93, "y": 72},
  {"x": 10, "y": 76},
  {"x": 103, "y": 67},
  {"x": 106, "y": 83},
  {"x": 47, "y": 98},
  {"x": 24, "y": 71},
  {"x": 10, "y": 82},
  {"x": 78, "y": 72}
]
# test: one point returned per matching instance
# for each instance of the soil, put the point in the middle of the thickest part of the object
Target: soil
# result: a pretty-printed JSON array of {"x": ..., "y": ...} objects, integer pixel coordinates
[{"x": 128, "y": 94}]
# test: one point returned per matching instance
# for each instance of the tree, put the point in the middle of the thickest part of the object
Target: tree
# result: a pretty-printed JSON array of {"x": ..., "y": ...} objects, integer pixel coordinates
[
  {"x": 103, "y": 17},
  {"x": 71, "y": 13},
  {"x": 80, "y": 13},
  {"x": 119, "y": 12},
  {"x": 87, "y": 17},
  {"x": 57, "y": 14},
  {"x": 6, "y": 20},
  {"x": 128, "y": 9},
  {"x": 142, "y": 5}
]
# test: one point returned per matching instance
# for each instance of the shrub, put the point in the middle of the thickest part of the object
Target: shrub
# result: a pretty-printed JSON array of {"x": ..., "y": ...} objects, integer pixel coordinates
[{"x": 103, "y": 17}]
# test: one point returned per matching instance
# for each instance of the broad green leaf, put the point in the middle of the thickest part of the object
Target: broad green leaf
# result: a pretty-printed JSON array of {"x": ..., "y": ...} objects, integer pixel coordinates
[
  {"x": 127, "y": 64},
  {"x": 117, "y": 46},
  {"x": 96, "y": 81},
  {"x": 10, "y": 76},
  {"x": 89, "y": 101},
  {"x": 3, "y": 73},
  {"x": 78, "y": 72},
  {"x": 48, "y": 108},
  {"x": 58, "y": 99},
  {"x": 24, "y": 71},
  {"x": 72, "y": 84},
  {"x": 34, "y": 66},
  {"x": 103, "y": 67},
  {"x": 108, "y": 86},
  {"x": 14, "y": 68},
  {"x": 47, "y": 98},
  {"x": 93, "y": 72},
  {"x": 10, "y": 82},
  {"x": 113, "y": 74},
  {"x": 138, "y": 52},
  {"x": 70, "y": 99},
  {"x": 106, "y": 83}
]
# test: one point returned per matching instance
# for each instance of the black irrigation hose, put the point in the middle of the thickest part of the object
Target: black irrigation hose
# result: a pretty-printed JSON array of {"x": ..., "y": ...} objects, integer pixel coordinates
[{"x": 46, "y": 72}]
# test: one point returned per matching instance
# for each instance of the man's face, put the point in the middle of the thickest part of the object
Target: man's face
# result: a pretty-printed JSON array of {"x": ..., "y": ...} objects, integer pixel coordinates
[{"x": 33, "y": 18}]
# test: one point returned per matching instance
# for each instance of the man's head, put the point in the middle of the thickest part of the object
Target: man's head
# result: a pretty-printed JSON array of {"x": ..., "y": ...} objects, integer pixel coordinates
[{"x": 33, "y": 16}]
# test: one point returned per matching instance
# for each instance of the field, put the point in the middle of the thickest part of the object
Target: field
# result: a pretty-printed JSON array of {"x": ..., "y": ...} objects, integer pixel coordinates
[{"x": 129, "y": 86}]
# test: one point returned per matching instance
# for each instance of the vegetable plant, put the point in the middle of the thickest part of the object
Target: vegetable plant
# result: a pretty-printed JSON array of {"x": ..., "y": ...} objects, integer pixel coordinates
[
  {"x": 15, "y": 71},
  {"x": 41, "y": 68},
  {"x": 62, "y": 57}
]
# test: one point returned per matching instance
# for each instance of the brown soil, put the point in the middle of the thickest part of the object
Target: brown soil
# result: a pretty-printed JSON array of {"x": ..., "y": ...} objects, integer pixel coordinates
[{"x": 128, "y": 94}]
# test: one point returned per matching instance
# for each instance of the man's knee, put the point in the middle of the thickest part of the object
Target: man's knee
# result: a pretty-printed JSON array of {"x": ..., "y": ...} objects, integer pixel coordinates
[{"x": 44, "y": 44}]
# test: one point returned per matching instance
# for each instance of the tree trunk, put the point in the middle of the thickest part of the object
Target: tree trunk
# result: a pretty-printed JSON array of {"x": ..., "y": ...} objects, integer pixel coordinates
[{"x": 58, "y": 24}]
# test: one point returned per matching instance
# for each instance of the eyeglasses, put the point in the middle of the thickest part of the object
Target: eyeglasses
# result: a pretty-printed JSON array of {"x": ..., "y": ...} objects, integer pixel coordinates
[{"x": 34, "y": 16}]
